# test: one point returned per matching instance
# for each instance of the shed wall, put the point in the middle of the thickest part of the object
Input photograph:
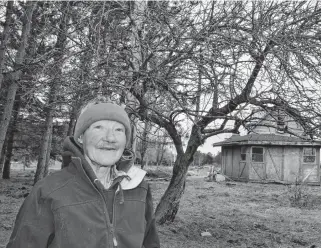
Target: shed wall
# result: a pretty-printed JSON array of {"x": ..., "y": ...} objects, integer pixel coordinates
[
  {"x": 232, "y": 166},
  {"x": 257, "y": 171},
  {"x": 311, "y": 172},
  {"x": 274, "y": 163},
  {"x": 235, "y": 161},
  {"x": 281, "y": 163},
  {"x": 292, "y": 159}
]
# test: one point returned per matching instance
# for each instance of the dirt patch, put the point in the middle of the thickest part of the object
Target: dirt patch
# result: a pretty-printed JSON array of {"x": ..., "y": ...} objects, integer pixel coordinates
[{"x": 235, "y": 214}]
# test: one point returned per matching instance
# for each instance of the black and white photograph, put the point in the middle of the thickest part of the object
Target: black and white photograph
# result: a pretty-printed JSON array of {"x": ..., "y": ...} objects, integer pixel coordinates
[{"x": 160, "y": 124}]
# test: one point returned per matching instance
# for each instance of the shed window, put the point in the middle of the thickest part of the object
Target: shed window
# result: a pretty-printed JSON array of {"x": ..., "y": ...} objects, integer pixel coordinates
[
  {"x": 309, "y": 155},
  {"x": 257, "y": 154},
  {"x": 243, "y": 153}
]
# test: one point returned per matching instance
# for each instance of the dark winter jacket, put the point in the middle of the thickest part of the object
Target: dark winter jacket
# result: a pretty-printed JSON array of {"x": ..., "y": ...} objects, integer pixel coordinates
[{"x": 71, "y": 209}]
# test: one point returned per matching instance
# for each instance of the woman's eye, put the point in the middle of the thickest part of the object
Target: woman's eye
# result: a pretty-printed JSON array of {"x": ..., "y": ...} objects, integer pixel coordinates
[
  {"x": 97, "y": 127},
  {"x": 119, "y": 129}
]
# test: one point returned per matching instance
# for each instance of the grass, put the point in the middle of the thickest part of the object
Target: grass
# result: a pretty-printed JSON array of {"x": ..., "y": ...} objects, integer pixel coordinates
[
  {"x": 236, "y": 214},
  {"x": 241, "y": 215}
]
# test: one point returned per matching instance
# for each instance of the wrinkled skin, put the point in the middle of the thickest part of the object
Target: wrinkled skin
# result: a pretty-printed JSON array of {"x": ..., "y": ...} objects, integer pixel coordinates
[{"x": 104, "y": 142}]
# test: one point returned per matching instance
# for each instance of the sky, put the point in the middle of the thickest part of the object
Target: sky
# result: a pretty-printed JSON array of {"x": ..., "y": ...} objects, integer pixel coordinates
[{"x": 207, "y": 147}]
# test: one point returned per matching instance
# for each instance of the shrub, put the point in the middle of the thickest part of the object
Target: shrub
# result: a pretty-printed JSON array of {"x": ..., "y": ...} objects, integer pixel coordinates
[{"x": 298, "y": 194}]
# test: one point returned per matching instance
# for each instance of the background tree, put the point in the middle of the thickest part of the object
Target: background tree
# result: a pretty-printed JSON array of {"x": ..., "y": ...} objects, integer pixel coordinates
[
  {"x": 54, "y": 86},
  {"x": 244, "y": 60},
  {"x": 16, "y": 70}
]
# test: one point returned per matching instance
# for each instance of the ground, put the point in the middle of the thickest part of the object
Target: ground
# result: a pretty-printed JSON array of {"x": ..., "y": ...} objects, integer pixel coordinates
[{"x": 235, "y": 214}]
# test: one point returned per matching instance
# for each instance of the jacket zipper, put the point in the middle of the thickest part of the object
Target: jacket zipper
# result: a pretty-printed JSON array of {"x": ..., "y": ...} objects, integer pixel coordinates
[
  {"x": 113, "y": 221},
  {"x": 107, "y": 218}
]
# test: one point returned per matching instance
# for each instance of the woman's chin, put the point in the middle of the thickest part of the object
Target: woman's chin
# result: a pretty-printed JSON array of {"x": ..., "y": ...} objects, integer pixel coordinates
[{"x": 106, "y": 161}]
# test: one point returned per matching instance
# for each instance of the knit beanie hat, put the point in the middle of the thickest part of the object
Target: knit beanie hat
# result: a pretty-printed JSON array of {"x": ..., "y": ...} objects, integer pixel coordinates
[{"x": 102, "y": 111}]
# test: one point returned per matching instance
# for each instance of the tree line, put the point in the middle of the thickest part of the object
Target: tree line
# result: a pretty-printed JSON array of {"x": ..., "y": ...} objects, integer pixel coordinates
[{"x": 190, "y": 69}]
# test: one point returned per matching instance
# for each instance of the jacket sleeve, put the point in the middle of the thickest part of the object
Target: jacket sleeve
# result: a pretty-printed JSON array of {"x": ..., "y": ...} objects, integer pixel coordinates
[
  {"x": 151, "y": 239},
  {"x": 34, "y": 223}
]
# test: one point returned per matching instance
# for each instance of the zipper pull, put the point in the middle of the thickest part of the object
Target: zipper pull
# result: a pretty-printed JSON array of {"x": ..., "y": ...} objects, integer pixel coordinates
[{"x": 114, "y": 242}]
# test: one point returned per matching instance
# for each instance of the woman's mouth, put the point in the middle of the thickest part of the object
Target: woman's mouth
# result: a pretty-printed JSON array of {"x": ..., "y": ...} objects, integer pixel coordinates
[{"x": 107, "y": 148}]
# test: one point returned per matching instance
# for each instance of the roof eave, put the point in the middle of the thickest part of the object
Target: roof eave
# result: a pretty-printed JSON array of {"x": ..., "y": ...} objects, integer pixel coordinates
[{"x": 279, "y": 143}]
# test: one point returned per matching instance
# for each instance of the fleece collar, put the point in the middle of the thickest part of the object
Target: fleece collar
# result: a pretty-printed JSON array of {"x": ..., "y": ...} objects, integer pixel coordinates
[{"x": 134, "y": 177}]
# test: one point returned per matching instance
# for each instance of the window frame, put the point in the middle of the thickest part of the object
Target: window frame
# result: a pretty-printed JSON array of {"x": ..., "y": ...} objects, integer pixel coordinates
[
  {"x": 252, "y": 159},
  {"x": 243, "y": 151},
  {"x": 305, "y": 156}
]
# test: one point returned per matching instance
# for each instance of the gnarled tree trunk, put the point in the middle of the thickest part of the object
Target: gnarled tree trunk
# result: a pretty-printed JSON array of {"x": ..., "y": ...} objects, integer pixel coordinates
[{"x": 169, "y": 203}]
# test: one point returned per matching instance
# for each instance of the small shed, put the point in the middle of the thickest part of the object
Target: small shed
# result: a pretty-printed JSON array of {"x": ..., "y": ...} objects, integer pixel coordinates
[{"x": 271, "y": 157}]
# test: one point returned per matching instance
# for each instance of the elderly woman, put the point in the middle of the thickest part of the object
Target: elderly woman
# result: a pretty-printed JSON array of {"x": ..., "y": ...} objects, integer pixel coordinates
[{"x": 98, "y": 199}]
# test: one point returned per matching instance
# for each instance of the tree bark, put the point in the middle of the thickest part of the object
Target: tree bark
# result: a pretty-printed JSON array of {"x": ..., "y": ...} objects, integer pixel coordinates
[
  {"x": 46, "y": 136},
  {"x": 168, "y": 206},
  {"x": 72, "y": 122},
  {"x": 5, "y": 38},
  {"x": 169, "y": 203},
  {"x": 3, "y": 155},
  {"x": 8, "y": 155},
  {"x": 10, "y": 141},
  {"x": 13, "y": 87},
  {"x": 47, "y": 163}
]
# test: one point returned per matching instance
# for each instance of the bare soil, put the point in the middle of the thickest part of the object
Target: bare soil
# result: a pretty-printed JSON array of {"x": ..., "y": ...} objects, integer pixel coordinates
[{"x": 236, "y": 214}]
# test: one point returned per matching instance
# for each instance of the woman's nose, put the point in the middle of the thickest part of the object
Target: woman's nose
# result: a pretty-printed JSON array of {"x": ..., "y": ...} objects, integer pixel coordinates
[{"x": 109, "y": 136}]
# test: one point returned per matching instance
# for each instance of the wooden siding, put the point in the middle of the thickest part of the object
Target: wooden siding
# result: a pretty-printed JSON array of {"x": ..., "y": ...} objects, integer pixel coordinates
[
  {"x": 310, "y": 172},
  {"x": 232, "y": 166},
  {"x": 281, "y": 163},
  {"x": 291, "y": 124},
  {"x": 235, "y": 161},
  {"x": 292, "y": 158},
  {"x": 257, "y": 171},
  {"x": 229, "y": 162},
  {"x": 274, "y": 163}
]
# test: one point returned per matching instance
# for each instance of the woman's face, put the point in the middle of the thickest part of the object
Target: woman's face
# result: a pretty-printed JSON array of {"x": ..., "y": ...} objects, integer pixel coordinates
[{"x": 104, "y": 142}]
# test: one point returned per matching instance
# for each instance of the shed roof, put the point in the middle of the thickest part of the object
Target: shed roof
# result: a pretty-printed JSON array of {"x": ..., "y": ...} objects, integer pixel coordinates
[{"x": 267, "y": 139}]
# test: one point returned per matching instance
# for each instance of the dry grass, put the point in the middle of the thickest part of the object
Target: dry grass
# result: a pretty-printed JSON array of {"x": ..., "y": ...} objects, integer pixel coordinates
[{"x": 236, "y": 214}]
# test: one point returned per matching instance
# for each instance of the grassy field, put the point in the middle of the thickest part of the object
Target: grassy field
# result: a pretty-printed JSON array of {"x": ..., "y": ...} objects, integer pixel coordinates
[{"x": 235, "y": 214}]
